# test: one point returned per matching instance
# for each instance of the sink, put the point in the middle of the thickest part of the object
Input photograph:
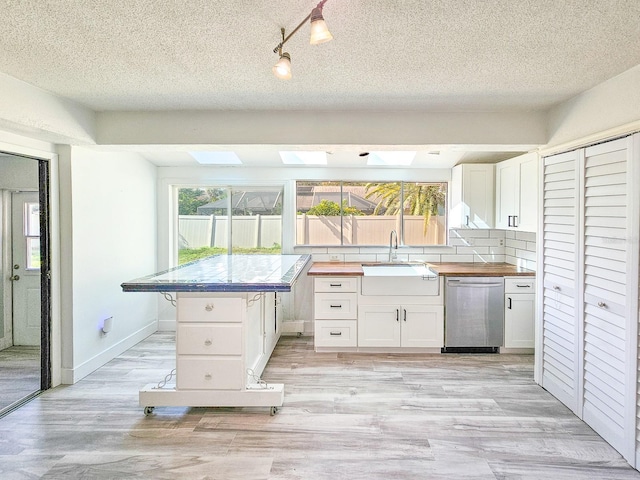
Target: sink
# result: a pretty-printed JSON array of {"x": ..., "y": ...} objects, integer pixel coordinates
[
  {"x": 397, "y": 270},
  {"x": 399, "y": 279}
]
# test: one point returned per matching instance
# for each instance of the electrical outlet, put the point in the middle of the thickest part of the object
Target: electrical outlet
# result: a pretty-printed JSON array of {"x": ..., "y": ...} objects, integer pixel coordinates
[
  {"x": 501, "y": 242},
  {"x": 334, "y": 258}
]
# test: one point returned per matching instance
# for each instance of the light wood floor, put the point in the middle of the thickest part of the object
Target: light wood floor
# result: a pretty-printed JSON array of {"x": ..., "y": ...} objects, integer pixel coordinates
[
  {"x": 19, "y": 374},
  {"x": 346, "y": 416}
]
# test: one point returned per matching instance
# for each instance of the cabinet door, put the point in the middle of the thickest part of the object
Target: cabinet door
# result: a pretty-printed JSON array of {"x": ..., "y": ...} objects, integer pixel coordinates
[
  {"x": 506, "y": 193},
  {"x": 528, "y": 196},
  {"x": 477, "y": 195},
  {"x": 422, "y": 326},
  {"x": 472, "y": 195},
  {"x": 519, "y": 318},
  {"x": 378, "y": 326}
]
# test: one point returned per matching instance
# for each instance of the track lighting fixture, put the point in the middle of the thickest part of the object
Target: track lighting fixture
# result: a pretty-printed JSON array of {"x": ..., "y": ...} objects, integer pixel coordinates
[{"x": 319, "y": 34}]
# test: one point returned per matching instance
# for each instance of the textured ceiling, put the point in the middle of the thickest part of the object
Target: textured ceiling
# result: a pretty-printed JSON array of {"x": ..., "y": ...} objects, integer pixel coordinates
[
  {"x": 453, "y": 55},
  {"x": 409, "y": 55}
]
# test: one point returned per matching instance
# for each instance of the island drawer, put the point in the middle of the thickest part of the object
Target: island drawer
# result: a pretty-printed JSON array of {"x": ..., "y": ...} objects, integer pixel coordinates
[
  {"x": 336, "y": 305},
  {"x": 336, "y": 333},
  {"x": 519, "y": 285},
  {"x": 198, "y": 373},
  {"x": 201, "y": 339},
  {"x": 336, "y": 284},
  {"x": 194, "y": 308}
]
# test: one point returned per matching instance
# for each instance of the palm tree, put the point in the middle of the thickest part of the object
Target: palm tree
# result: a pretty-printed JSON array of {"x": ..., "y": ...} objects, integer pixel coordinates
[{"x": 418, "y": 199}]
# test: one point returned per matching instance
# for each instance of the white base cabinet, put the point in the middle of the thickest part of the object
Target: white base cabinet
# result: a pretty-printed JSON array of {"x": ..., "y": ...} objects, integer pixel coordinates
[
  {"x": 345, "y": 319},
  {"x": 519, "y": 312},
  {"x": 416, "y": 326}
]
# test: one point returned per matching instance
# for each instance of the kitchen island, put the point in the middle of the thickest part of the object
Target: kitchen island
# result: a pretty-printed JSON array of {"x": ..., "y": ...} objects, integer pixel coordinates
[{"x": 227, "y": 328}]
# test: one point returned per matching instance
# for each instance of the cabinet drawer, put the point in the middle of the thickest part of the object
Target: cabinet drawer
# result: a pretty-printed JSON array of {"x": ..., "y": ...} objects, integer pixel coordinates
[
  {"x": 336, "y": 333},
  {"x": 520, "y": 285},
  {"x": 209, "y": 339},
  {"x": 336, "y": 284},
  {"x": 210, "y": 373},
  {"x": 336, "y": 305},
  {"x": 210, "y": 309}
]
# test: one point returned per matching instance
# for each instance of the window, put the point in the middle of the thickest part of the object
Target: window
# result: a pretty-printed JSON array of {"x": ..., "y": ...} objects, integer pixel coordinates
[
  {"x": 32, "y": 235},
  {"x": 363, "y": 213},
  {"x": 228, "y": 220}
]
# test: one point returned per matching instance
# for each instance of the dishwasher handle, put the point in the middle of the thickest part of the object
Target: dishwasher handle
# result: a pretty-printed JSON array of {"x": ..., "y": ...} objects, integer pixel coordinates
[{"x": 473, "y": 285}]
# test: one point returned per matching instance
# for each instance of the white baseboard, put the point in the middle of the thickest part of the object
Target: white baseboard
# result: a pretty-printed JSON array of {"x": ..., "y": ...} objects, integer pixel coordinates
[
  {"x": 72, "y": 375},
  {"x": 295, "y": 327},
  {"x": 167, "y": 325}
]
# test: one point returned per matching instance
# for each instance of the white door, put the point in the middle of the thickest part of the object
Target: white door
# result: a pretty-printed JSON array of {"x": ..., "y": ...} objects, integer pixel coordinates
[
  {"x": 422, "y": 326},
  {"x": 25, "y": 261}
]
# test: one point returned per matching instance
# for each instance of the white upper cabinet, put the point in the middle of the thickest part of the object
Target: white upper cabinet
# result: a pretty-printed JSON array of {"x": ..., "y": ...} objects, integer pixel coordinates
[
  {"x": 472, "y": 196},
  {"x": 517, "y": 193}
]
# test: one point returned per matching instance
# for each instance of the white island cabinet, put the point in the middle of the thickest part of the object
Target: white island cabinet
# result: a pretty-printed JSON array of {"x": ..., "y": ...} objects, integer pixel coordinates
[{"x": 227, "y": 328}]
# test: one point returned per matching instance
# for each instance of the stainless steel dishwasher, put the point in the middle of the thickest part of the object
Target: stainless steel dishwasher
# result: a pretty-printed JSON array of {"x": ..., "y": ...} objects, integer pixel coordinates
[{"x": 474, "y": 314}]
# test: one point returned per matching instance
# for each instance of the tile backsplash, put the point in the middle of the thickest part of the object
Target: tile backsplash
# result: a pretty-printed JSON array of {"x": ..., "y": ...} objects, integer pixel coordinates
[{"x": 465, "y": 245}]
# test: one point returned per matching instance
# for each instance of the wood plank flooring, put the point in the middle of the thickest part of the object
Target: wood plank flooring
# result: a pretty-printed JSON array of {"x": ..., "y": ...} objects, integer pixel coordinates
[
  {"x": 19, "y": 374},
  {"x": 345, "y": 416}
]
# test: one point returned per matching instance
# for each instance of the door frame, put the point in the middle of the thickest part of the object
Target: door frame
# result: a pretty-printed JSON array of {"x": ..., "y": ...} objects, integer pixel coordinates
[{"x": 44, "y": 197}]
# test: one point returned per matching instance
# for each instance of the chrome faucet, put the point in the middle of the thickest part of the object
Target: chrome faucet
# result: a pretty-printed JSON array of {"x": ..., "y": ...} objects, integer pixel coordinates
[{"x": 393, "y": 236}]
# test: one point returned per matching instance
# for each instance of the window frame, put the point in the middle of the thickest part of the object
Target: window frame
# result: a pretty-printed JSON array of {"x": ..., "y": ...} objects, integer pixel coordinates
[{"x": 400, "y": 215}]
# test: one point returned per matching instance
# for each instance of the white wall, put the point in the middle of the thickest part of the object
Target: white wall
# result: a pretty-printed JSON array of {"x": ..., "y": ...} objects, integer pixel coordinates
[
  {"x": 35, "y": 112},
  {"x": 614, "y": 106},
  {"x": 112, "y": 231}
]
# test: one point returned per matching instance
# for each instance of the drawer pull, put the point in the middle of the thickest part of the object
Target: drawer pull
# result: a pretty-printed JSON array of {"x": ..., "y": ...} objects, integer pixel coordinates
[
  {"x": 335, "y": 284},
  {"x": 522, "y": 286},
  {"x": 335, "y": 334},
  {"x": 207, "y": 342},
  {"x": 602, "y": 305},
  {"x": 207, "y": 376},
  {"x": 209, "y": 307},
  {"x": 335, "y": 306}
]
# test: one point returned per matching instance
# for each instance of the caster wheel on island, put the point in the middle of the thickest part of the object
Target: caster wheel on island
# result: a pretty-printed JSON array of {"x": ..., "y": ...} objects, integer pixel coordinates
[
  {"x": 273, "y": 411},
  {"x": 148, "y": 411}
]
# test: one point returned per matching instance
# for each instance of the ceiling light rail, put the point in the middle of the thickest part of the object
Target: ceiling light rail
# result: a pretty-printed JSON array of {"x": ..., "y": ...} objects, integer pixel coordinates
[{"x": 319, "y": 34}]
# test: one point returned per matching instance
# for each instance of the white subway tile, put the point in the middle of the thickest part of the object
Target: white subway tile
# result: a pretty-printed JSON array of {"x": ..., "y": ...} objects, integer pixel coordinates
[
  {"x": 457, "y": 258},
  {"x": 439, "y": 250},
  {"x": 516, "y": 244},
  {"x": 531, "y": 246},
  {"x": 496, "y": 250},
  {"x": 425, "y": 258},
  {"x": 510, "y": 259},
  {"x": 325, "y": 257},
  {"x": 488, "y": 242},
  {"x": 526, "y": 236},
  {"x": 488, "y": 258},
  {"x": 497, "y": 234},
  {"x": 358, "y": 257},
  {"x": 510, "y": 251},
  {"x": 523, "y": 254},
  {"x": 509, "y": 234},
  {"x": 469, "y": 233},
  {"x": 472, "y": 250}
]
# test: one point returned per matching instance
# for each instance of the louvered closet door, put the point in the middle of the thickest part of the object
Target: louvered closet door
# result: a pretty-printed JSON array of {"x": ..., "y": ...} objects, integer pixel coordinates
[
  {"x": 605, "y": 283},
  {"x": 560, "y": 326}
]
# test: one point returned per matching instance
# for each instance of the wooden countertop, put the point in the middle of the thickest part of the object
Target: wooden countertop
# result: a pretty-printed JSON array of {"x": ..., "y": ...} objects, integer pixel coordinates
[{"x": 347, "y": 269}]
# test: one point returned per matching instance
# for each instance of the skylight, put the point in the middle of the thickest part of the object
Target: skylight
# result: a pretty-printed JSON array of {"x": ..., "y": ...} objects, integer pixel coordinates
[
  {"x": 390, "y": 158},
  {"x": 304, "y": 158},
  {"x": 216, "y": 158}
]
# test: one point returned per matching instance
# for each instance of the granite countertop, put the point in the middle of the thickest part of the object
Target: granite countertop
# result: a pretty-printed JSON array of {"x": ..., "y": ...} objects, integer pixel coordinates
[
  {"x": 444, "y": 269},
  {"x": 226, "y": 273}
]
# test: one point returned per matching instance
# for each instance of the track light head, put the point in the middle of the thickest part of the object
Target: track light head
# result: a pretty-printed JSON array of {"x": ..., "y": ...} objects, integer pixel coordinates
[
  {"x": 319, "y": 31},
  {"x": 282, "y": 69}
]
